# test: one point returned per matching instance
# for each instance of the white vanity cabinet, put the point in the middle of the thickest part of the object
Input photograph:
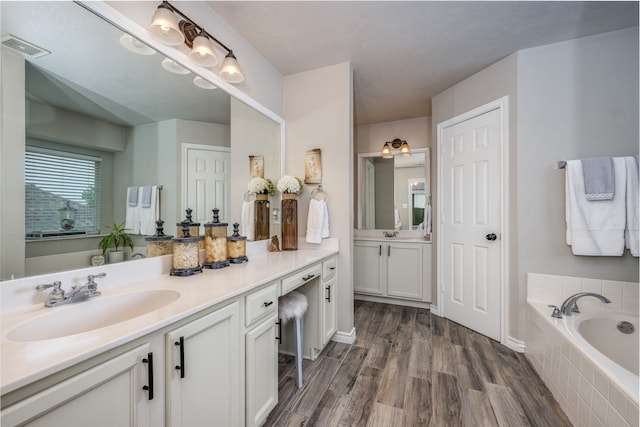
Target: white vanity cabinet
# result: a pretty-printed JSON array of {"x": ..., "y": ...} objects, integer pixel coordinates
[
  {"x": 329, "y": 301},
  {"x": 261, "y": 347},
  {"x": 393, "y": 270},
  {"x": 108, "y": 394},
  {"x": 203, "y": 371}
]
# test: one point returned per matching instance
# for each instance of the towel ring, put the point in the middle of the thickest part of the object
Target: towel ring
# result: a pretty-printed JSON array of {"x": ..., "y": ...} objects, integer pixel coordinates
[
  {"x": 247, "y": 196},
  {"x": 318, "y": 193}
]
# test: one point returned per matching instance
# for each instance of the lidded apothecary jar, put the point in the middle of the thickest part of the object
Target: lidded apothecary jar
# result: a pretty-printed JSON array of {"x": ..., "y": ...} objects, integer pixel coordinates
[
  {"x": 215, "y": 242},
  {"x": 237, "y": 246},
  {"x": 194, "y": 227},
  {"x": 159, "y": 244},
  {"x": 186, "y": 253}
]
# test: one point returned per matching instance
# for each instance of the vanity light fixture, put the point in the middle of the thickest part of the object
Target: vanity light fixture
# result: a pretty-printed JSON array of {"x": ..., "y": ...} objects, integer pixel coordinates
[
  {"x": 166, "y": 28},
  {"x": 388, "y": 147}
]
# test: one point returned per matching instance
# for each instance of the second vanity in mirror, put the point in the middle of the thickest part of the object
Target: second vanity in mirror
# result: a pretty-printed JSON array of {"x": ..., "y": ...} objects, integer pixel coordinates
[{"x": 94, "y": 97}]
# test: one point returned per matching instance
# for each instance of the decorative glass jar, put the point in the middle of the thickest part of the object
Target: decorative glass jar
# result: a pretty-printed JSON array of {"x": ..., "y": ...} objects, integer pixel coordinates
[
  {"x": 237, "y": 246},
  {"x": 67, "y": 216},
  {"x": 215, "y": 246},
  {"x": 194, "y": 227},
  {"x": 186, "y": 253},
  {"x": 159, "y": 244},
  {"x": 261, "y": 217},
  {"x": 289, "y": 222}
]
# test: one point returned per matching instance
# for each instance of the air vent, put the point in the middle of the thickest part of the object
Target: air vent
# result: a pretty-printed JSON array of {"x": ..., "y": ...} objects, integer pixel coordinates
[{"x": 23, "y": 47}]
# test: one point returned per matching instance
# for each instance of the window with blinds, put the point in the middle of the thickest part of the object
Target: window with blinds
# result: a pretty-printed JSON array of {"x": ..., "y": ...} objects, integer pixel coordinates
[{"x": 62, "y": 193}]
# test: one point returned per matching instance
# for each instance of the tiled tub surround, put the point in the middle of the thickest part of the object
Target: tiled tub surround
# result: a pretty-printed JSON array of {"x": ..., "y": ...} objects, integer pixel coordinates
[{"x": 582, "y": 381}]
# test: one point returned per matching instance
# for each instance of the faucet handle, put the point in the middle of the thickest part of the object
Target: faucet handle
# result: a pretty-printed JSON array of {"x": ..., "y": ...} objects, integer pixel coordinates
[
  {"x": 56, "y": 294},
  {"x": 556, "y": 311},
  {"x": 92, "y": 277},
  {"x": 57, "y": 286}
]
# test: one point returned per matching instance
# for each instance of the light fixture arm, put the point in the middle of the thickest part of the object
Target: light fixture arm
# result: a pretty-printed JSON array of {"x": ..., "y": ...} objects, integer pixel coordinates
[{"x": 198, "y": 27}]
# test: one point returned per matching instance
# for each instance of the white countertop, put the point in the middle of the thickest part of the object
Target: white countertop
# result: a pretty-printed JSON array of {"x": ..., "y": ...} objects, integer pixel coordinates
[{"x": 25, "y": 362}]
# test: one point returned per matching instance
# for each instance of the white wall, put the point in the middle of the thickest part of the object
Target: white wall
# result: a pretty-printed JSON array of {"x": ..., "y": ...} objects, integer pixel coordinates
[
  {"x": 318, "y": 109},
  {"x": 371, "y": 138}
]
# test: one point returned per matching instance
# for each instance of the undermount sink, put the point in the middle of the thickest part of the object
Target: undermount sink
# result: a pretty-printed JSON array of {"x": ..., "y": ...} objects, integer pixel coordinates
[{"x": 91, "y": 314}]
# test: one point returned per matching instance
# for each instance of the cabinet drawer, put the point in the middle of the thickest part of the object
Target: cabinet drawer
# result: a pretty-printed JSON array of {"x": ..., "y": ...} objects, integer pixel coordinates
[
  {"x": 299, "y": 279},
  {"x": 261, "y": 302},
  {"x": 329, "y": 269}
]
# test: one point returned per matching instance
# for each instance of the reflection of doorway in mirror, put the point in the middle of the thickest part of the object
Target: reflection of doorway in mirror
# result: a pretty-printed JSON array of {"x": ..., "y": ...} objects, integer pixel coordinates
[
  {"x": 256, "y": 166},
  {"x": 417, "y": 203}
]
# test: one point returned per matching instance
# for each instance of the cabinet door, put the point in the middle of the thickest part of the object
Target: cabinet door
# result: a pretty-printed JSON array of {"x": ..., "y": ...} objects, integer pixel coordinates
[
  {"x": 329, "y": 311},
  {"x": 203, "y": 371},
  {"x": 368, "y": 268},
  {"x": 262, "y": 371},
  {"x": 404, "y": 270},
  {"x": 107, "y": 395}
]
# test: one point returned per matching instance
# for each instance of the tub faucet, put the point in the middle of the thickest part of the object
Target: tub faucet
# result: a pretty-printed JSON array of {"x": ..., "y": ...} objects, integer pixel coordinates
[{"x": 570, "y": 305}]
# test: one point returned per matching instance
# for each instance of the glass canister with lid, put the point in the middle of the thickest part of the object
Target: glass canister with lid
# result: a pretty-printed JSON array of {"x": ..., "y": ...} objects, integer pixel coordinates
[
  {"x": 186, "y": 253},
  {"x": 194, "y": 227},
  {"x": 159, "y": 244},
  {"x": 237, "y": 246},
  {"x": 215, "y": 247}
]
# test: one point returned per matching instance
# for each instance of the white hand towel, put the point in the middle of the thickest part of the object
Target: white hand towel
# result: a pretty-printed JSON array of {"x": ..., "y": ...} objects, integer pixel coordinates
[
  {"x": 132, "y": 213},
  {"x": 631, "y": 233},
  {"x": 148, "y": 197},
  {"x": 427, "y": 220},
  {"x": 317, "y": 221},
  {"x": 595, "y": 228},
  {"x": 247, "y": 217}
]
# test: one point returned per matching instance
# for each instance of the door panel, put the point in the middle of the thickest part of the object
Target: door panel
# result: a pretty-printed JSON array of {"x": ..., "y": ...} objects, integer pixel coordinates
[{"x": 471, "y": 208}]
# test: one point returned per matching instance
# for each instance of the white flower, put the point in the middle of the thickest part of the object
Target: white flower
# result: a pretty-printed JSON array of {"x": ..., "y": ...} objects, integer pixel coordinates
[
  {"x": 290, "y": 184},
  {"x": 260, "y": 186}
]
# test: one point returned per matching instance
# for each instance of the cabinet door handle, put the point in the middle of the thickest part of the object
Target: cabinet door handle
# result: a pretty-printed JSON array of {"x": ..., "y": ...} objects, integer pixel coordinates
[
  {"x": 180, "y": 367},
  {"x": 328, "y": 297},
  {"x": 388, "y": 250},
  {"x": 267, "y": 303},
  {"x": 279, "y": 337},
  {"x": 379, "y": 250},
  {"x": 332, "y": 268},
  {"x": 308, "y": 277},
  {"x": 149, "y": 387}
]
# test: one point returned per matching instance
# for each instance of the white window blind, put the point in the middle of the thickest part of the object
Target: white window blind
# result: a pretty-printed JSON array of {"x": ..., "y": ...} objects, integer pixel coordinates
[{"x": 55, "y": 179}]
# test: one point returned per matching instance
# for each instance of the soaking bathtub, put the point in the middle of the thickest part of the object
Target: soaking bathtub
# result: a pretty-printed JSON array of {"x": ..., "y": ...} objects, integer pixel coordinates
[{"x": 588, "y": 364}]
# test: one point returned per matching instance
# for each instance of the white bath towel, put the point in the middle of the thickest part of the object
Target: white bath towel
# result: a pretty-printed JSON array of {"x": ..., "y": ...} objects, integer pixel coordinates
[
  {"x": 631, "y": 233},
  {"x": 132, "y": 214},
  {"x": 317, "y": 221},
  {"x": 148, "y": 198},
  {"x": 247, "y": 217},
  {"x": 595, "y": 228}
]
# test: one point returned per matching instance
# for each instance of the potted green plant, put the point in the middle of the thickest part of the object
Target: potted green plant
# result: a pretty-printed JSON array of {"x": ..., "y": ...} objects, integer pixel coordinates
[{"x": 117, "y": 237}]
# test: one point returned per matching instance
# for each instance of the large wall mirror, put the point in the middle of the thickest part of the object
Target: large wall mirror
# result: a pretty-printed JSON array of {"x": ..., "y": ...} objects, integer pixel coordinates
[
  {"x": 143, "y": 119},
  {"x": 394, "y": 193}
]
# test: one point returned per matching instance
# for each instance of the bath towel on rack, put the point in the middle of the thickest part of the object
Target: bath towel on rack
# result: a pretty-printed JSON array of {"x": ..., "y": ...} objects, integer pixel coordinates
[
  {"x": 595, "y": 228},
  {"x": 148, "y": 209},
  {"x": 631, "y": 232},
  {"x": 247, "y": 217},
  {"x": 317, "y": 221},
  {"x": 132, "y": 213}
]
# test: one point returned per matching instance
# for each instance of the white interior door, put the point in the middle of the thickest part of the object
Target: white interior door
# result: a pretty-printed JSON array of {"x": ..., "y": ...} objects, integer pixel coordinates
[
  {"x": 207, "y": 182},
  {"x": 471, "y": 205}
]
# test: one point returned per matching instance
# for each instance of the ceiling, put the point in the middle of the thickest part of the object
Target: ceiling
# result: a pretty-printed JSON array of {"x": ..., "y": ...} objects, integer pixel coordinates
[{"x": 404, "y": 53}]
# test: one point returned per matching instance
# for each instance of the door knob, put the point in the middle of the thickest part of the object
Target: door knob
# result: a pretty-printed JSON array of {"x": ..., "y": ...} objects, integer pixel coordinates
[{"x": 491, "y": 236}]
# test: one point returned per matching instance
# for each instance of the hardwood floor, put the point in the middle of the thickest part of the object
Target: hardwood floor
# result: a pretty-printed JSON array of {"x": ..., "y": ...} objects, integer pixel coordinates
[{"x": 409, "y": 368}]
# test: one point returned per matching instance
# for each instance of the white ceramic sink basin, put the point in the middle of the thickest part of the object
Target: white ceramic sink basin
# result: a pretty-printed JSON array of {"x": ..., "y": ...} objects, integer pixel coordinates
[{"x": 93, "y": 314}]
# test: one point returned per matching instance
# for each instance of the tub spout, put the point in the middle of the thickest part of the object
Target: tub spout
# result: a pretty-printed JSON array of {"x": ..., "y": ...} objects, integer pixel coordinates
[{"x": 570, "y": 305}]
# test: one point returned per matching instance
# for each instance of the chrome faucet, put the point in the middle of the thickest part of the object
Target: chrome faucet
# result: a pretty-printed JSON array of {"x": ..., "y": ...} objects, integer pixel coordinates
[
  {"x": 570, "y": 305},
  {"x": 58, "y": 296},
  {"x": 390, "y": 234}
]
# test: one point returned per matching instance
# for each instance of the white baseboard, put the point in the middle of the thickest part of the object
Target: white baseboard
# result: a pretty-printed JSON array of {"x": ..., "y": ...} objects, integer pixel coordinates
[
  {"x": 345, "y": 337},
  {"x": 515, "y": 345},
  {"x": 435, "y": 310},
  {"x": 389, "y": 300}
]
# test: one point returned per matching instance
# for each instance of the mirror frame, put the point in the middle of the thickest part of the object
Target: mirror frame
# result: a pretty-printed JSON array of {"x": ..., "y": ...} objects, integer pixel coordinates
[{"x": 360, "y": 202}]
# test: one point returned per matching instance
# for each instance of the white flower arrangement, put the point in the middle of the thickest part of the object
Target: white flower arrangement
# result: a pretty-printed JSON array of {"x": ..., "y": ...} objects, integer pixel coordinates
[
  {"x": 261, "y": 186},
  {"x": 290, "y": 184}
]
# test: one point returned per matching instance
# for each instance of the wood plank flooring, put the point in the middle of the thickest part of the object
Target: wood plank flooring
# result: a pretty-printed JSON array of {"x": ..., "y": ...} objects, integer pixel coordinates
[{"x": 409, "y": 368}]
